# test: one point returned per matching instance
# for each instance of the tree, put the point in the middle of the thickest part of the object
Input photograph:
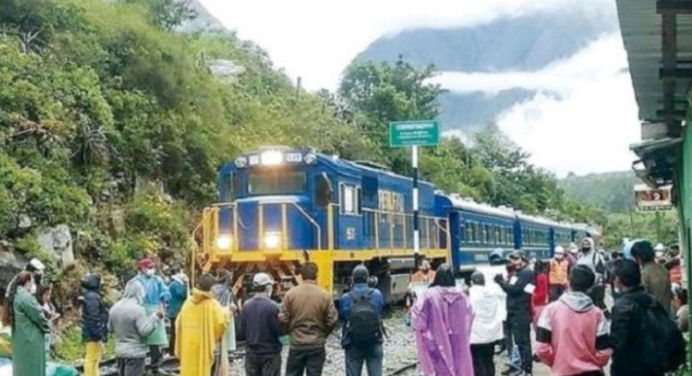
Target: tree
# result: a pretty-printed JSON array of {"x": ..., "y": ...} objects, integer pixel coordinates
[
  {"x": 168, "y": 14},
  {"x": 375, "y": 94}
]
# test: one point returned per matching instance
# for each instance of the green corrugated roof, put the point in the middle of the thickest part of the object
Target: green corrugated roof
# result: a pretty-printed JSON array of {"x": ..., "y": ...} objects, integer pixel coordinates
[{"x": 641, "y": 32}]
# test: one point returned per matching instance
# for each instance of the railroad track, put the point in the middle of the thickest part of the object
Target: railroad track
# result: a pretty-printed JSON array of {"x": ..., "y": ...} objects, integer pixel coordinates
[
  {"x": 109, "y": 367},
  {"x": 403, "y": 369}
]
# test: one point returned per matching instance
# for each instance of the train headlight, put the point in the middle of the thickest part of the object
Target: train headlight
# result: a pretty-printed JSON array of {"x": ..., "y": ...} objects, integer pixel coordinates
[
  {"x": 241, "y": 162},
  {"x": 310, "y": 158},
  {"x": 224, "y": 242},
  {"x": 272, "y": 158},
  {"x": 272, "y": 240}
]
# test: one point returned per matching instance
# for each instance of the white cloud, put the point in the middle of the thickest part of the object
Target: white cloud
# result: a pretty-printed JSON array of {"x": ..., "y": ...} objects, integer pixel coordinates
[
  {"x": 601, "y": 59},
  {"x": 317, "y": 39},
  {"x": 587, "y": 127},
  {"x": 590, "y": 126}
]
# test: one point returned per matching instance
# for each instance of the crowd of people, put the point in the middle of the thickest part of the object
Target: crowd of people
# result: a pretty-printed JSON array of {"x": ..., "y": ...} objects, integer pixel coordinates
[
  {"x": 458, "y": 327},
  {"x": 564, "y": 302}
]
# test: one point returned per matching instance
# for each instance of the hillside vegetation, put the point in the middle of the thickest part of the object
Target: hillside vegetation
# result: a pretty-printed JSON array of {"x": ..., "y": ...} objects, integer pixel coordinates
[
  {"x": 115, "y": 125},
  {"x": 613, "y": 191}
]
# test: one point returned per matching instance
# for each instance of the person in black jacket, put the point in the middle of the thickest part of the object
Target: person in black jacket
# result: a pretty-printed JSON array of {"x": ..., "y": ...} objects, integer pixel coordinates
[
  {"x": 626, "y": 330},
  {"x": 519, "y": 289},
  {"x": 94, "y": 323}
]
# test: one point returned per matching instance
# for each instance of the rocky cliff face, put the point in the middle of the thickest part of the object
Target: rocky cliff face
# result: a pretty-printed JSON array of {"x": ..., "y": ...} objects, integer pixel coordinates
[{"x": 204, "y": 20}]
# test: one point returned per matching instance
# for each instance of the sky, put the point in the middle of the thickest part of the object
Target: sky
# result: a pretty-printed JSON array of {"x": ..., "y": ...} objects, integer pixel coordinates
[{"x": 582, "y": 120}]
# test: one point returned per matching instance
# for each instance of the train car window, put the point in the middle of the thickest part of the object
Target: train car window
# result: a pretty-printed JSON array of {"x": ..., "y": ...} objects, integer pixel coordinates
[
  {"x": 323, "y": 191},
  {"x": 472, "y": 232},
  {"x": 359, "y": 200},
  {"x": 275, "y": 182},
  {"x": 349, "y": 199},
  {"x": 370, "y": 188}
]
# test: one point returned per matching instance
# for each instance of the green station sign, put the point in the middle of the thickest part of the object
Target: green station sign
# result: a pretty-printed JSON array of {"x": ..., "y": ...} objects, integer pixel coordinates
[{"x": 414, "y": 133}]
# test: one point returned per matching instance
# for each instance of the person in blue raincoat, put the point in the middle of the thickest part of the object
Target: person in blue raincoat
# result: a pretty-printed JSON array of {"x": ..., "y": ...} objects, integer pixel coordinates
[
  {"x": 157, "y": 294},
  {"x": 179, "y": 289}
]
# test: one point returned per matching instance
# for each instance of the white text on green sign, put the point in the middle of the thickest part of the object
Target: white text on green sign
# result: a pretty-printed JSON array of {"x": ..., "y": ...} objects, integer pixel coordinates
[{"x": 414, "y": 133}]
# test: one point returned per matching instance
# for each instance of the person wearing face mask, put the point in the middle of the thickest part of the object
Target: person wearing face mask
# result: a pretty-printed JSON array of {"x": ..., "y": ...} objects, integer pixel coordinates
[
  {"x": 156, "y": 298},
  {"x": 593, "y": 259},
  {"x": 29, "y": 327},
  {"x": 259, "y": 324},
  {"x": 557, "y": 278},
  {"x": 36, "y": 268},
  {"x": 519, "y": 289},
  {"x": 572, "y": 254}
]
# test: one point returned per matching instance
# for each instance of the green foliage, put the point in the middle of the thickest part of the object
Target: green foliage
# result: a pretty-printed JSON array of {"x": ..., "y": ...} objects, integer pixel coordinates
[
  {"x": 71, "y": 348},
  {"x": 641, "y": 225},
  {"x": 493, "y": 169},
  {"x": 613, "y": 191},
  {"x": 97, "y": 96}
]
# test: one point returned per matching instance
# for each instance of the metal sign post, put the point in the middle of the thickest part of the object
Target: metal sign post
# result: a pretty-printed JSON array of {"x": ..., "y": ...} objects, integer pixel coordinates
[{"x": 414, "y": 134}]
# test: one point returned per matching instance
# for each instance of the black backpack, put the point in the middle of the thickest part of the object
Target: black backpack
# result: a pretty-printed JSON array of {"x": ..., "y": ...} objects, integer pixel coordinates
[
  {"x": 364, "y": 325},
  {"x": 662, "y": 339}
]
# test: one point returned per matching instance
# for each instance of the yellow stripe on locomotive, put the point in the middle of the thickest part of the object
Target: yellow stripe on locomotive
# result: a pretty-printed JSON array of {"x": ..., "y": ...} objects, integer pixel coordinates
[{"x": 281, "y": 207}]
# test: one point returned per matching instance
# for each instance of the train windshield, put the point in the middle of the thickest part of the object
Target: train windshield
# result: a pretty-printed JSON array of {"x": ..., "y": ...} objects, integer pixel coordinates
[{"x": 276, "y": 182}]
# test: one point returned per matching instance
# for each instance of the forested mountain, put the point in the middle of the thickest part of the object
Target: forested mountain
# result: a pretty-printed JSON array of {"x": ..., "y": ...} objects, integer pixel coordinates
[
  {"x": 613, "y": 191},
  {"x": 113, "y": 125},
  {"x": 522, "y": 43}
]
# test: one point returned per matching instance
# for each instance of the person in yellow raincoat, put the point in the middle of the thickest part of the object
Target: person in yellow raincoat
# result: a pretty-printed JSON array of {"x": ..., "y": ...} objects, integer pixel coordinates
[{"x": 200, "y": 326}]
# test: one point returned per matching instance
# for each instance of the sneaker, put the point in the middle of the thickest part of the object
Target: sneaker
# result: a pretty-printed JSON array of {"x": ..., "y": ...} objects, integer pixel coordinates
[{"x": 507, "y": 371}]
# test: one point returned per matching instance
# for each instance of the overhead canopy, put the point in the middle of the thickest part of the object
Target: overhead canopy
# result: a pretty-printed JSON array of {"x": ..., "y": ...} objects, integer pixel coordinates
[
  {"x": 658, "y": 39},
  {"x": 657, "y": 158}
]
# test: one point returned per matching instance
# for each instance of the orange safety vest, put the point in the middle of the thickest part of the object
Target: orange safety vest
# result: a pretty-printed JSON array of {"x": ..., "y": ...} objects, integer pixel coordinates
[
  {"x": 558, "y": 272},
  {"x": 420, "y": 277}
]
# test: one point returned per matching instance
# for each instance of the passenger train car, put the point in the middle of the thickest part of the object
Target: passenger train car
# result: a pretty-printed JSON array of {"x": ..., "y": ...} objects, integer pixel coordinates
[{"x": 280, "y": 207}]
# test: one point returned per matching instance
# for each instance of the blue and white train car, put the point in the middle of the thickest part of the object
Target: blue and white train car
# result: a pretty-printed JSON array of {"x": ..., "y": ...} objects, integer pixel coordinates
[
  {"x": 535, "y": 236},
  {"x": 476, "y": 230}
]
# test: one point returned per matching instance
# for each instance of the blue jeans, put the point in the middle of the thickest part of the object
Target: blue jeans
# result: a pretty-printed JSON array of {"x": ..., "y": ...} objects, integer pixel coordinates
[
  {"x": 372, "y": 356},
  {"x": 514, "y": 358}
]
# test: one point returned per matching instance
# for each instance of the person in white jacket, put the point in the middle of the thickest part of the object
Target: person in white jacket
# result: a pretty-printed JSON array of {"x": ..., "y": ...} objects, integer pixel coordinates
[{"x": 489, "y": 308}]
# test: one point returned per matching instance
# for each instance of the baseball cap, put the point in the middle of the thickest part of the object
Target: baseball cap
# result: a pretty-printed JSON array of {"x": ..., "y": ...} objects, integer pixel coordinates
[
  {"x": 36, "y": 264},
  {"x": 573, "y": 247},
  {"x": 147, "y": 264},
  {"x": 262, "y": 279}
]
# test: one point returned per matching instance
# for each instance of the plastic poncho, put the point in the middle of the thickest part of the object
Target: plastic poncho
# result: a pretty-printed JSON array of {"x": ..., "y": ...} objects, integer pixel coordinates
[
  {"x": 28, "y": 336},
  {"x": 200, "y": 325},
  {"x": 156, "y": 294},
  {"x": 442, "y": 322}
]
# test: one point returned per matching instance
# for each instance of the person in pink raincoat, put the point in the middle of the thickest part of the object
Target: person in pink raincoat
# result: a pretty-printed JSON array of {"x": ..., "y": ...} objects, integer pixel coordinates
[{"x": 442, "y": 323}]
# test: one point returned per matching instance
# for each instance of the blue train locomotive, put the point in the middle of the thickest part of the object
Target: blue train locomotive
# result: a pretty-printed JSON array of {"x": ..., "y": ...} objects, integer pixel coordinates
[{"x": 279, "y": 207}]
